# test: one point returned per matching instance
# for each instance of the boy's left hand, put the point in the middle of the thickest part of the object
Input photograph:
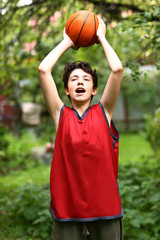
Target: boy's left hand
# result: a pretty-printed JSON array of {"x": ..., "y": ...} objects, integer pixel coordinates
[{"x": 101, "y": 31}]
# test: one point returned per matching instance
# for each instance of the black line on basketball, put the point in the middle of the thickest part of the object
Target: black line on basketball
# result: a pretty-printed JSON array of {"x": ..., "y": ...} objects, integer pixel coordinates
[
  {"x": 94, "y": 29},
  {"x": 82, "y": 28},
  {"x": 72, "y": 21}
]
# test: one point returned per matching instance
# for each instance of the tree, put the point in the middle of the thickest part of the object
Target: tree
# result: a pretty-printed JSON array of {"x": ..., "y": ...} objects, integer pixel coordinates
[{"x": 30, "y": 30}]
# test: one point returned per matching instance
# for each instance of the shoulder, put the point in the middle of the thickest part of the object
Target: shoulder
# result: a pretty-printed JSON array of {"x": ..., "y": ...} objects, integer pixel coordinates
[
  {"x": 97, "y": 107},
  {"x": 102, "y": 113},
  {"x": 65, "y": 111},
  {"x": 59, "y": 115}
]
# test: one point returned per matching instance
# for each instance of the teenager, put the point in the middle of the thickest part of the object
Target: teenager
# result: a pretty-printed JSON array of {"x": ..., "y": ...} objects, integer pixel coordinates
[{"x": 85, "y": 199}]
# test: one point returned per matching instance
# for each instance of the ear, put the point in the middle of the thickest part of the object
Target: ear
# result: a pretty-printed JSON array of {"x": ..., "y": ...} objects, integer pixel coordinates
[
  {"x": 66, "y": 91},
  {"x": 94, "y": 91}
]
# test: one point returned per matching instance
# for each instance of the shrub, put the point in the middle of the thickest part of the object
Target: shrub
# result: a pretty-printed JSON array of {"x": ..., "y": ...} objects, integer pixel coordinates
[
  {"x": 152, "y": 128},
  {"x": 28, "y": 212},
  {"x": 15, "y": 150},
  {"x": 139, "y": 188}
]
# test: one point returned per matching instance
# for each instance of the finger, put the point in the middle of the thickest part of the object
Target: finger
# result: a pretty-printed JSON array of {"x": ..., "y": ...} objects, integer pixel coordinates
[
  {"x": 64, "y": 32},
  {"x": 75, "y": 47},
  {"x": 99, "y": 19}
]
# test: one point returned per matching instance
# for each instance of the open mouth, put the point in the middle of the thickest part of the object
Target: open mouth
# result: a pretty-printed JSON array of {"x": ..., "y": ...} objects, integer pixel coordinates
[{"x": 80, "y": 90}]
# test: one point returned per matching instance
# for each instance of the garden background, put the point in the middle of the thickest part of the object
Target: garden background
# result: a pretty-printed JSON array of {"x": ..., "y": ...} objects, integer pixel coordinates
[{"x": 29, "y": 30}]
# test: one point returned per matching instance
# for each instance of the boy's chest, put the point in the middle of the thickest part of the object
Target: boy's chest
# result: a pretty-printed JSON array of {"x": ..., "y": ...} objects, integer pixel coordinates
[{"x": 88, "y": 133}]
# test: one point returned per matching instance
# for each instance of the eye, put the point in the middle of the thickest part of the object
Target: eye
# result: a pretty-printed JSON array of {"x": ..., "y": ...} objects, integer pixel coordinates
[
  {"x": 86, "y": 79},
  {"x": 74, "y": 79}
]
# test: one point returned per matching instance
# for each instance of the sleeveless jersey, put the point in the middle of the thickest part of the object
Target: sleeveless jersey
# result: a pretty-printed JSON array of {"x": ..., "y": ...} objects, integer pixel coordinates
[{"x": 84, "y": 170}]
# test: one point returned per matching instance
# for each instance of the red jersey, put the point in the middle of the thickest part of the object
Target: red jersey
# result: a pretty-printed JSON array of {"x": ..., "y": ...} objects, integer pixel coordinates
[{"x": 84, "y": 170}]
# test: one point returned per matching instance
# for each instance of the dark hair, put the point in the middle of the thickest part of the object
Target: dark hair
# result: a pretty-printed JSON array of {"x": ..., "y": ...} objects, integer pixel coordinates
[{"x": 85, "y": 66}]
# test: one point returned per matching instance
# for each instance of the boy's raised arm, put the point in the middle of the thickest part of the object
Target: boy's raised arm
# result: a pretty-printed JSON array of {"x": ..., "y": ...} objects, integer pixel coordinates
[
  {"x": 49, "y": 89},
  {"x": 112, "y": 87}
]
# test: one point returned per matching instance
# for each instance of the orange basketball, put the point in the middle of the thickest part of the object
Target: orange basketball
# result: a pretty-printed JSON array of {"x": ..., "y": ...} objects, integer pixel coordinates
[{"x": 81, "y": 27}]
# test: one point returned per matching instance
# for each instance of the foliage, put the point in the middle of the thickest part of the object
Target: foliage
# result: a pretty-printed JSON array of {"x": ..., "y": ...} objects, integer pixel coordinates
[
  {"x": 15, "y": 151},
  {"x": 132, "y": 29},
  {"x": 153, "y": 129},
  {"x": 46, "y": 131},
  {"x": 28, "y": 206},
  {"x": 143, "y": 93},
  {"x": 28, "y": 211},
  {"x": 139, "y": 186}
]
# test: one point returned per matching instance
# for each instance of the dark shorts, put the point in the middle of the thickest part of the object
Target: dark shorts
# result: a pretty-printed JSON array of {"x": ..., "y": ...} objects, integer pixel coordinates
[{"x": 96, "y": 230}]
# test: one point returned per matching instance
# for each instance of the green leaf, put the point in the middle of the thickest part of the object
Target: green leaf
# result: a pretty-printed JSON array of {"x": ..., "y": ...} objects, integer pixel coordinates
[
  {"x": 30, "y": 213},
  {"x": 135, "y": 223}
]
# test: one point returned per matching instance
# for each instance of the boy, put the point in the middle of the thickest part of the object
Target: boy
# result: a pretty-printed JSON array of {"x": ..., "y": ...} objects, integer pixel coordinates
[{"x": 85, "y": 200}]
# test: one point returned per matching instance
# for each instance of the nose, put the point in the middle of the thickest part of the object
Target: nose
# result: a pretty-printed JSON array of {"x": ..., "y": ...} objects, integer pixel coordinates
[{"x": 80, "y": 81}]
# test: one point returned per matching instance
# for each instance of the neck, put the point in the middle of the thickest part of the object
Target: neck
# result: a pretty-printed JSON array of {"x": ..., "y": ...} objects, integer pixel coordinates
[{"x": 80, "y": 107}]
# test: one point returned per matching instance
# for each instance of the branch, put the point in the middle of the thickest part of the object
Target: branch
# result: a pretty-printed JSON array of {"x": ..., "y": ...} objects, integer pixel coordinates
[
  {"x": 145, "y": 48},
  {"x": 114, "y": 8},
  {"x": 34, "y": 3}
]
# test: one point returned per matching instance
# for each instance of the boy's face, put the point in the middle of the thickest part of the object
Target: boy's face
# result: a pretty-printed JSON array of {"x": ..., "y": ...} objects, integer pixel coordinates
[{"x": 80, "y": 86}]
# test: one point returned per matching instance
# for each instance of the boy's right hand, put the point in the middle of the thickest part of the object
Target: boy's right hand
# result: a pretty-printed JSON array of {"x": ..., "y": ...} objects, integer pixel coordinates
[{"x": 69, "y": 41}]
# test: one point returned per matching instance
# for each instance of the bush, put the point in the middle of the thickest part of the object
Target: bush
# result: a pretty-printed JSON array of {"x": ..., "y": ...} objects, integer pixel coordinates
[
  {"x": 15, "y": 150},
  {"x": 153, "y": 130},
  {"x": 27, "y": 214},
  {"x": 139, "y": 188}
]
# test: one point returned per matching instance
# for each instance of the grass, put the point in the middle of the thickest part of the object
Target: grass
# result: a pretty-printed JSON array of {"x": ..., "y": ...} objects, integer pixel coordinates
[
  {"x": 38, "y": 175},
  {"x": 133, "y": 147}
]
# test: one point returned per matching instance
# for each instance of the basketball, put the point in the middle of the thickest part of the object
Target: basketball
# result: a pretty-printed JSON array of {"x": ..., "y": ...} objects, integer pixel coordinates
[{"x": 81, "y": 27}]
